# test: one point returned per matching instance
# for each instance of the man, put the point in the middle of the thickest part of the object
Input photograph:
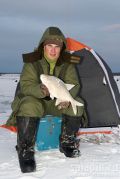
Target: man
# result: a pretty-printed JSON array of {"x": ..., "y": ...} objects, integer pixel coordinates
[{"x": 33, "y": 100}]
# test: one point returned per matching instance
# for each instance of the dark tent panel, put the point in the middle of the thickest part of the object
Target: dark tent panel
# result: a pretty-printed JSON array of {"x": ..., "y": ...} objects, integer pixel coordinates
[{"x": 99, "y": 90}]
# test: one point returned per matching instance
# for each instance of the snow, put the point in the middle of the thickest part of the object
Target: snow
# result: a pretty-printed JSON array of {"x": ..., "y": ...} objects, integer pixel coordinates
[{"x": 97, "y": 160}]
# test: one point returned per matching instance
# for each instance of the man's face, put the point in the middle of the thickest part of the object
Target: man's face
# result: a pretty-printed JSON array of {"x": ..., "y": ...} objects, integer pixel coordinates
[{"x": 52, "y": 51}]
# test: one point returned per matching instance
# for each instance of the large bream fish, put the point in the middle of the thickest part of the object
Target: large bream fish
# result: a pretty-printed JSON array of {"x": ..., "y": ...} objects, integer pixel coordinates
[{"x": 59, "y": 90}]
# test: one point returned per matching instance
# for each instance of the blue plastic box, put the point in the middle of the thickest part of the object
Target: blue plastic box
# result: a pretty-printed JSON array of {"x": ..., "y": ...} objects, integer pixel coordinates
[{"x": 48, "y": 133}]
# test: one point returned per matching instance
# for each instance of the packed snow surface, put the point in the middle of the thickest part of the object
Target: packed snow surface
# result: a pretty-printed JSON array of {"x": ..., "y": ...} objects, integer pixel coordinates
[{"x": 98, "y": 159}]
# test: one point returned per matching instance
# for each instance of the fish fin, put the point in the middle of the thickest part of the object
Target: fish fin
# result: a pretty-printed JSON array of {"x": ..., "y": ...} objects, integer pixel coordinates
[
  {"x": 74, "y": 106},
  {"x": 58, "y": 101},
  {"x": 69, "y": 86},
  {"x": 51, "y": 96}
]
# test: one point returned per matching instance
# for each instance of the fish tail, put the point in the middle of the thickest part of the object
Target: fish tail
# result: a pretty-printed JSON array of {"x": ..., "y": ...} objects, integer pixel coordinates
[
  {"x": 74, "y": 108},
  {"x": 78, "y": 103},
  {"x": 74, "y": 104}
]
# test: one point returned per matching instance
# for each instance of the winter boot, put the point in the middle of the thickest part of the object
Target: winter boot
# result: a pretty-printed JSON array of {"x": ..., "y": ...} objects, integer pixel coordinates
[
  {"x": 26, "y": 135},
  {"x": 69, "y": 144}
]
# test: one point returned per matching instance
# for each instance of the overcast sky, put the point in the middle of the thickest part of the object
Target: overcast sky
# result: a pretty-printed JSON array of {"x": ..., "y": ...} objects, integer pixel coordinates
[{"x": 95, "y": 23}]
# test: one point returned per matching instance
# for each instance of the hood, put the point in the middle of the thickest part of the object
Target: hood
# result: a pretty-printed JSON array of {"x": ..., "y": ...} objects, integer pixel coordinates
[{"x": 52, "y": 33}]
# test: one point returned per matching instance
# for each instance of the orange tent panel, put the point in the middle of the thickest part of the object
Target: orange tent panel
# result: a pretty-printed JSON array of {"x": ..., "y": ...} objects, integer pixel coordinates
[
  {"x": 73, "y": 45},
  {"x": 11, "y": 128}
]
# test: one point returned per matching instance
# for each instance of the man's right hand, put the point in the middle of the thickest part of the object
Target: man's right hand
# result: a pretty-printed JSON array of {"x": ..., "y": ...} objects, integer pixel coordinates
[{"x": 44, "y": 89}]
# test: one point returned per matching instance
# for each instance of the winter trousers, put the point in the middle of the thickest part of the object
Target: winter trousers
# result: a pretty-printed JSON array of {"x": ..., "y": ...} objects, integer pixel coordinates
[{"x": 34, "y": 107}]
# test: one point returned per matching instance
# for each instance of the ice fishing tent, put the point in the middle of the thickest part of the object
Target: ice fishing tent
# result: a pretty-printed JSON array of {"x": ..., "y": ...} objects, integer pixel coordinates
[{"x": 99, "y": 89}]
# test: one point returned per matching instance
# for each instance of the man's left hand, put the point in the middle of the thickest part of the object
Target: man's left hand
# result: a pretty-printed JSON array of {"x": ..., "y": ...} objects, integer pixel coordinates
[{"x": 64, "y": 105}]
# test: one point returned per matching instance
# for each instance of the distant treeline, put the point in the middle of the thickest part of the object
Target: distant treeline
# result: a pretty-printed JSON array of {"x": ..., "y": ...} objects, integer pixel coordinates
[
  {"x": 8, "y": 73},
  {"x": 116, "y": 74}
]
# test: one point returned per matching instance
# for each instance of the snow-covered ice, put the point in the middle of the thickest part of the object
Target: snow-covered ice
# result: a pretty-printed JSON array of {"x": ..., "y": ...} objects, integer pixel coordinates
[{"x": 97, "y": 160}]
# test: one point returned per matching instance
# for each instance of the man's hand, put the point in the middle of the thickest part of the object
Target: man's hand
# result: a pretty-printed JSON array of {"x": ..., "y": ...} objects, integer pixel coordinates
[
  {"x": 44, "y": 89},
  {"x": 64, "y": 105}
]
